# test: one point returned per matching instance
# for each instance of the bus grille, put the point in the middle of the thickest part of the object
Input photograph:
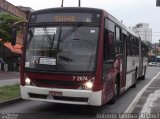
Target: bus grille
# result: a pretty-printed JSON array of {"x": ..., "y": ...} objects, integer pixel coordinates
[
  {"x": 32, "y": 95},
  {"x": 75, "y": 99},
  {"x": 52, "y": 83}
]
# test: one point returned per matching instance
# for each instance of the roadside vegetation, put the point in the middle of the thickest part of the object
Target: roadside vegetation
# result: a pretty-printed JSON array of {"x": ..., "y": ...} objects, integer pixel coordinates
[
  {"x": 6, "y": 23},
  {"x": 9, "y": 92}
]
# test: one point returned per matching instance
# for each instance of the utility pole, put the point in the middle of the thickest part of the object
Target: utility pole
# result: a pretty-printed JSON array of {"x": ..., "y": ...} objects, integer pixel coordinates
[
  {"x": 62, "y": 4},
  {"x": 155, "y": 49},
  {"x": 158, "y": 48},
  {"x": 79, "y": 3},
  {"x": 158, "y": 3}
]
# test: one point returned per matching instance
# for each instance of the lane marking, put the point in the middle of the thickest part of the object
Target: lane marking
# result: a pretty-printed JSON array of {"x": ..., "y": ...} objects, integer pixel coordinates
[
  {"x": 138, "y": 96},
  {"x": 149, "y": 104}
]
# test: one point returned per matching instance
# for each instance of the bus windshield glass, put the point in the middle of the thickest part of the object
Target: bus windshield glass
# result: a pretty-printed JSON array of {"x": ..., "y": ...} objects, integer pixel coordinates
[{"x": 65, "y": 48}]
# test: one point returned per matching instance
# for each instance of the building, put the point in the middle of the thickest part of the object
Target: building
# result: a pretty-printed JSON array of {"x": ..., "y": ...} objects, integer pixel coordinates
[
  {"x": 8, "y": 7},
  {"x": 26, "y": 10},
  {"x": 11, "y": 59},
  {"x": 144, "y": 31}
]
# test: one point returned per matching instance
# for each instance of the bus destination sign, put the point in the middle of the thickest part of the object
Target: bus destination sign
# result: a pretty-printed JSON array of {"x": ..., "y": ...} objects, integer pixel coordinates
[
  {"x": 65, "y": 18},
  {"x": 62, "y": 17}
]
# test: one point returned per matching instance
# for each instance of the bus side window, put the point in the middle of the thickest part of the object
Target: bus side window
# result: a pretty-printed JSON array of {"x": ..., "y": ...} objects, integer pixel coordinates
[
  {"x": 118, "y": 33},
  {"x": 109, "y": 45},
  {"x": 108, "y": 51}
]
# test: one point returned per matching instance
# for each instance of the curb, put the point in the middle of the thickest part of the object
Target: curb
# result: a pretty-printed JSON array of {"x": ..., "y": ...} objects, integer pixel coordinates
[{"x": 12, "y": 101}]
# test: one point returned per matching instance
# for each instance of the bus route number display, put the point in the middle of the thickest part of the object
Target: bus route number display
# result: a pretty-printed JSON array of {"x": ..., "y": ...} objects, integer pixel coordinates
[{"x": 65, "y": 19}]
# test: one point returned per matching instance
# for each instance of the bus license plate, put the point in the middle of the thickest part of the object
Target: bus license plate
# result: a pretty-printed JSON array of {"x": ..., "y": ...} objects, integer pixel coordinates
[{"x": 54, "y": 93}]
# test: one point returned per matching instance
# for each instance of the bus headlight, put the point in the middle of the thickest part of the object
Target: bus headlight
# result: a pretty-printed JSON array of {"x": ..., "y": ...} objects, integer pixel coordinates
[
  {"x": 27, "y": 81},
  {"x": 89, "y": 85}
]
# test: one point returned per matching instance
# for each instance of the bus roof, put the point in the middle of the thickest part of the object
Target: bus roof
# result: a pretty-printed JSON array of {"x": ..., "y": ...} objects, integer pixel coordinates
[
  {"x": 81, "y": 9},
  {"x": 66, "y": 9}
]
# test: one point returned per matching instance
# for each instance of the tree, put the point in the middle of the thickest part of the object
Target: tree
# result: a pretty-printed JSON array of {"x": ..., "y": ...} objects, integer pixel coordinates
[
  {"x": 148, "y": 44},
  {"x": 6, "y": 22}
]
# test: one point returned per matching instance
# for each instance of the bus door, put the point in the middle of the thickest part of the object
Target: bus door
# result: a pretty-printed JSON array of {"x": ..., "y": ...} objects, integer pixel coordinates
[
  {"x": 108, "y": 61},
  {"x": 140, "y": 58},
  {"x": 124, "y": 61}
]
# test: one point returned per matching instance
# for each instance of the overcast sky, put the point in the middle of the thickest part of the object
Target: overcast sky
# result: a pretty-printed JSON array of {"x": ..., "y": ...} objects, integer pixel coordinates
[{"x": 130, "y": 12}]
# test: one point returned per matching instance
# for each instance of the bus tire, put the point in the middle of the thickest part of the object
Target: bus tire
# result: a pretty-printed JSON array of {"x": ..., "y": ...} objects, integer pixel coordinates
[
  {"x": 116, "y": 92},
  {"x": 144, "y": 76},
  {"x": 135, "y": 79}
]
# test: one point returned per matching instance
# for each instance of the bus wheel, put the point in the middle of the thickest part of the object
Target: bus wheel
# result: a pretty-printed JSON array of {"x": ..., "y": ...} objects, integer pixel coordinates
[
  {"x": 135, "y": 79},
  {"x": 114, "y": 99},
  {"x": 144, "y": 76}
]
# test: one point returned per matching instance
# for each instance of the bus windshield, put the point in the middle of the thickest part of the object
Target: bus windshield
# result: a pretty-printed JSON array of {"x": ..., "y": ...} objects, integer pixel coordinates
[{"x": 65, "y": 48}]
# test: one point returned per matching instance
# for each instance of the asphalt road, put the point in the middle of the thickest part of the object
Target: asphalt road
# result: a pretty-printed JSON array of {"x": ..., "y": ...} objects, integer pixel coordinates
[{"x": 43, "y": 110}]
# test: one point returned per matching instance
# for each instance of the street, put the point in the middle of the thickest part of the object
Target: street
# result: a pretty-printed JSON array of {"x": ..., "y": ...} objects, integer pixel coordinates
[{"x": 40, "y": 110}]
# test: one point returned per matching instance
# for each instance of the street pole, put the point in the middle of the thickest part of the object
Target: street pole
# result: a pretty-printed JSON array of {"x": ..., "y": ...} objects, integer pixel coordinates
[
  {"x": 79, "y": 3},
  {"x": 62, "y": 4},
  {"x": 158, "y": 47},
  {"x": 157, "y": 3},
  {"x": 155, "y": 50}
]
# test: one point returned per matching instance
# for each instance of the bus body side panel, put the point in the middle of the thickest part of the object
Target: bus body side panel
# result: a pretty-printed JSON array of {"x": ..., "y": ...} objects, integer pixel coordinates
[
  {"x": 123, "y": 63},
  {"x": 140, "y": 59},
  {"x": 143, "y": 59},
  {"x": 132, "y": 63},
  {"x": 145, "y": 63},
  {"x": 110, "y": 67}
]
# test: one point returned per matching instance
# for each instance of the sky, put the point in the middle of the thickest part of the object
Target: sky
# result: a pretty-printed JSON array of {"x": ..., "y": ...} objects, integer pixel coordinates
[{"x": 131, "y": 12}]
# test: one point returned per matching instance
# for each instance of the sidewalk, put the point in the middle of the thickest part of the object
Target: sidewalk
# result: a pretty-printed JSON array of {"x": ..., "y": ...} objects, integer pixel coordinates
[
  {"x": 9, "y": 78},
  {"x": 149, "y": 102},
  {"x": 9, "y": 75}
]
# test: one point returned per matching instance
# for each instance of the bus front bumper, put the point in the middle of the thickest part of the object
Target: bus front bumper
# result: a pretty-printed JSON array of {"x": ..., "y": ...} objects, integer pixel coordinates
[{"x": 66, "y": 96}]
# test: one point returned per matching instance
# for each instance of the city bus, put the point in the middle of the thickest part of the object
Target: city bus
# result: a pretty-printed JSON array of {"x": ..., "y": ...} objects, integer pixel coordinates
[{"x": 81, "y": 56}]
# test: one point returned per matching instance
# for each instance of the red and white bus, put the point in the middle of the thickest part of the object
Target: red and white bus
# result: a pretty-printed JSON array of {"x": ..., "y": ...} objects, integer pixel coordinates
[{"x": 81, "y": 56}]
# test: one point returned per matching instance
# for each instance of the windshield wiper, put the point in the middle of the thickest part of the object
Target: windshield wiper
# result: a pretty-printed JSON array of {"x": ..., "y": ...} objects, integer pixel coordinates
[
  {"x": 51, "y": 45},
  {"x": 50, "y": 40},
  {"x": 67, "y": 34},
  {"x": 30, "y": 35},
  {"x": 47, "y": 35}
]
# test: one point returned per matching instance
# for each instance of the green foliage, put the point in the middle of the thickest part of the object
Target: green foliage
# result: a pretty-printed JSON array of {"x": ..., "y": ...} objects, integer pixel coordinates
[
  {"x": 149, "y": 45},
  {"x": 9, "y": 92},
  {"x": 6, "y": 22}
]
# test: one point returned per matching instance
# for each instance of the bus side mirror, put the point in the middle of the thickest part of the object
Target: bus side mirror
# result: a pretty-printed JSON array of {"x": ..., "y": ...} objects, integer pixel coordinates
[
  {"x": 14, "y": 35},
  {"x": 17, "y": 32}
]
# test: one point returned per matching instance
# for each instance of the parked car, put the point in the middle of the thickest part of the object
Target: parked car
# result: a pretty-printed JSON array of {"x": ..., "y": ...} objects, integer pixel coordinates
[{"x": 155, "y": 61}]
